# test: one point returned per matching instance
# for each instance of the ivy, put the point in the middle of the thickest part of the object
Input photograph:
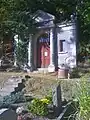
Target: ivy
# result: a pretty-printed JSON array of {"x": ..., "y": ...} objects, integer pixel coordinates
[{"x": 11, "y": 99}]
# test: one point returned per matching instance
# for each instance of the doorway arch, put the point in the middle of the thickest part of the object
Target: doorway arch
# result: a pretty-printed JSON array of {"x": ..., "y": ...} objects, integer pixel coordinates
[{"x": 43, "y": 51}]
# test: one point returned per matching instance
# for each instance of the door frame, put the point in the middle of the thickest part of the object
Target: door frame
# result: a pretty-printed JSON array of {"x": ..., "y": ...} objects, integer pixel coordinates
[{"x": 40, "y": 51}]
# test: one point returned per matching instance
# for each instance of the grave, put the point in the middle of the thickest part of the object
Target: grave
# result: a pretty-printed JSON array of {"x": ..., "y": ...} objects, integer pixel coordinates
[
  {"x": 7, "y": 114},
  {"x": 57, "y": 100}
]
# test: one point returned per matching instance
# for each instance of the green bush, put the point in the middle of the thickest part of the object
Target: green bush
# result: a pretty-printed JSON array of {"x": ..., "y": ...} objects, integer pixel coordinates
[
  {"x": 39, "y": 106},
  {"x": 75, "y": 73}
]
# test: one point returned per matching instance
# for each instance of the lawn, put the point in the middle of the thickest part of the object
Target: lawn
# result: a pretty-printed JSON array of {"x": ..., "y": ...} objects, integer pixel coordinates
[{"x": 40, "y": 85}]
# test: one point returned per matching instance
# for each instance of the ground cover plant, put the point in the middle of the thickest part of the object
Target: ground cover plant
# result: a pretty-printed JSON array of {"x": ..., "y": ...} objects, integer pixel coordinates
[
  {"x": 6, "y": 101},
  {"x": 40, "y": 106},
  {"x": 83, "y": 97}
]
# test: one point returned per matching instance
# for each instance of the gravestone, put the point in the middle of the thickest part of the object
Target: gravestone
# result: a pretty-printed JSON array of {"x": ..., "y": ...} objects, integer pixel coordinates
[
  {"x": 7, "y": 114},
  {"x": 57, "y": 100}
]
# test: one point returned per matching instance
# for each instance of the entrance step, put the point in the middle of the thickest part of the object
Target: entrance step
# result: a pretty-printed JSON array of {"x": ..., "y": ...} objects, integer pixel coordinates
[{"x": 41, "y": 70}]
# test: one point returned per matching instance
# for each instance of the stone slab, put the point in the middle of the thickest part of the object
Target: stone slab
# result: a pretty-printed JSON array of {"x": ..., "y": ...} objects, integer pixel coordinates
[{"x": 7, "y": 114}]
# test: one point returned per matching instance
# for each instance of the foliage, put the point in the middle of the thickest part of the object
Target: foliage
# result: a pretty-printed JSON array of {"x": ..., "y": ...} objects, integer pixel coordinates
[
  {"x": 49, "y": 96},
  {"x": 83, "y": 9},
  {"x": 75, "y": 73},
  {"x": 83, "y": 97},
  {"x": 16, "y": 17},
  {"x": 13, "y": 98},
  {"x": 39, "y": 106},
  {"x": 22, "y": 52}
]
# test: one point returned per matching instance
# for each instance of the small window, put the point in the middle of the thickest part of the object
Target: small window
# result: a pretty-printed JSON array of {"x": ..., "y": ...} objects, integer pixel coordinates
[{"x": 62, "y": 46}]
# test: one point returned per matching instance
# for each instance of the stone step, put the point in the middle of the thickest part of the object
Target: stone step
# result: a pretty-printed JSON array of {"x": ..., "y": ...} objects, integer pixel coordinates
[
  {"x": 4, "y": 93},
  {"x": 14, "y": 84},
  {"x": 7, "y": 88},
  {"x": 41, "y": 70},
  {"x": 11, "y": 80}
]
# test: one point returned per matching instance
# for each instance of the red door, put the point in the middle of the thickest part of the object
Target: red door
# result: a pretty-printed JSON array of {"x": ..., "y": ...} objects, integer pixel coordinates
[{"x": 43, "y": 55}]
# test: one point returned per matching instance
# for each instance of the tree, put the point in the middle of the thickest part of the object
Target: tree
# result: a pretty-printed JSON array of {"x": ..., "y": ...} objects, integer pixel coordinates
[
  {"x": 16, "y": 16},
  {"x": 83, "y": 9}
]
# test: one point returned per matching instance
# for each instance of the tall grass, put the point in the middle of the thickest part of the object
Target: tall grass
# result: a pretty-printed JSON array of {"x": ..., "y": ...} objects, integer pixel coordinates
[{"x": 83, "y": 97}]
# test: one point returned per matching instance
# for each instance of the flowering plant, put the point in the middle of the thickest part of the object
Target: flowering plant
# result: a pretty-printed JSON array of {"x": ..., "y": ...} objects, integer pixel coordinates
[
  {"x": 45, "y": 100},
  {"x": 39, "y": 106}
]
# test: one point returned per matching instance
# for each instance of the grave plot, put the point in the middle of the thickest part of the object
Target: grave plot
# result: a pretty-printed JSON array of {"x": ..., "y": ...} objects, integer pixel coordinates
[{"x": 7, "y": 114}]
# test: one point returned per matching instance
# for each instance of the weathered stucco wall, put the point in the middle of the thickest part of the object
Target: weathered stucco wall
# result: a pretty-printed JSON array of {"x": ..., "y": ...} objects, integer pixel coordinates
[{"x": 67, "y": 34}]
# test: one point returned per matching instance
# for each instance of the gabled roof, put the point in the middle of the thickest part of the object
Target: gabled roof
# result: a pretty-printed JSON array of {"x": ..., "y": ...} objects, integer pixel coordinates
[{"x": 41, "y": 16}]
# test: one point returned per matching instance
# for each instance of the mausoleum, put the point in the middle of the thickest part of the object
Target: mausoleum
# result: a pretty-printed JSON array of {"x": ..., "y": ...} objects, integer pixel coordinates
[{"x": 53, "y": 44}]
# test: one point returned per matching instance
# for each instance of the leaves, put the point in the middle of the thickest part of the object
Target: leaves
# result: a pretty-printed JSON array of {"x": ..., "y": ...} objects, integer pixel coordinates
[
  {"x": 16, "y": 15},
  {"x": 38, "y": 107},
  {"x": 83, "y": 97}
]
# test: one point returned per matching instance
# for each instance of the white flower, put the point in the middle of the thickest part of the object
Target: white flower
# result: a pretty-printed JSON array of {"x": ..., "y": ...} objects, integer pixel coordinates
[{"x": 19, "y": 110}]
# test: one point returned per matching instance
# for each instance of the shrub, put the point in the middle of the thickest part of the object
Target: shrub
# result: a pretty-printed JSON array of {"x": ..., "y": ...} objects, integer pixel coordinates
[
  {"x": 49, "y": 96},
  {"x": 14, "y": 98},
  {"x": 75, "y": 73},
  {"x": 39, "y": 106}
]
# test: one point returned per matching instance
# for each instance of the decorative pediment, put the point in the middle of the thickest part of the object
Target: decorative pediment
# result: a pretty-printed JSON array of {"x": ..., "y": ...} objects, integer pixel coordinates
[
  {"x": 43, "y": 19},
  {"x": 41, "y": 16}
]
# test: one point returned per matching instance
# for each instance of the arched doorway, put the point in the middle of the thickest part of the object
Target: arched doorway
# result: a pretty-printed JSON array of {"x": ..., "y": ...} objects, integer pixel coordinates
[{"x": 43, "y": 51}]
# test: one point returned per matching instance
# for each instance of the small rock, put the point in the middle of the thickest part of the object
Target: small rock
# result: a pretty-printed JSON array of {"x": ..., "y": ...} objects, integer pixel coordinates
[
  {"x": 19, "y": 110},
  {"x": 26, "y": 116}
]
